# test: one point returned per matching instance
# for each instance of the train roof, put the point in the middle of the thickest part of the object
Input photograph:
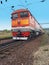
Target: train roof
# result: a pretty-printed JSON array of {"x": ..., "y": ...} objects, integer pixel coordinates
[{"x": 20, "y": 10}]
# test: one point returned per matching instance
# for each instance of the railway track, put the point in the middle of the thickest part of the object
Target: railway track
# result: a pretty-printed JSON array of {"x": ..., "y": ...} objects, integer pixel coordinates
[
  {"x": 10, "y": 43},
  {"x": 19, "y": 52},
  {"x": 4, "y": 40}
]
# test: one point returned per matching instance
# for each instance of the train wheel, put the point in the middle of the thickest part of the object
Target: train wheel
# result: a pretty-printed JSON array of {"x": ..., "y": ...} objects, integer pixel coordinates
[
  {"x": 37, "y": 33},
  {"x": 32, "y": 35}
]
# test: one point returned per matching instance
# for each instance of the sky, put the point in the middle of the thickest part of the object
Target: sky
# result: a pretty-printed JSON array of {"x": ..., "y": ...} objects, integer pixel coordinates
[{"x": 40, "y": 10}]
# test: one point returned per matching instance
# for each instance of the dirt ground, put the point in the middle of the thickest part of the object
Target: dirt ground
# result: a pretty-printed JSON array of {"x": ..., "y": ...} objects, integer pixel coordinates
[
  {"x": 25, "y": 54},
  {"x": 41, "y": 57},
  {"x": 22, "y": 55}
]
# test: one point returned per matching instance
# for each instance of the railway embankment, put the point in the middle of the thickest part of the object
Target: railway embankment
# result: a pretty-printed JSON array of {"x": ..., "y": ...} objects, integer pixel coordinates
[
  {"x": 41, "y": 57},
  {"x": 25, "y": 53}
]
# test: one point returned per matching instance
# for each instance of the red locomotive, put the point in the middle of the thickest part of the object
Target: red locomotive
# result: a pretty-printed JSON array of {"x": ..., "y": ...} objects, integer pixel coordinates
[{"x": 24, "y": 25}]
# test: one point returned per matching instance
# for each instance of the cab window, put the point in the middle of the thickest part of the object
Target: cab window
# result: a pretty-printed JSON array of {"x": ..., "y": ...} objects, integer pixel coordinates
[
  {"x": 14, "y": 16},
  {"x": 23, "y": 14}
]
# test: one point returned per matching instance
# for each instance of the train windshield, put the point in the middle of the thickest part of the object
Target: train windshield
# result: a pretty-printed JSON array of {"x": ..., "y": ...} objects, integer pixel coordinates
[
  {"x": 23, "y": 14},
  {"x": 14, "y": 16}
]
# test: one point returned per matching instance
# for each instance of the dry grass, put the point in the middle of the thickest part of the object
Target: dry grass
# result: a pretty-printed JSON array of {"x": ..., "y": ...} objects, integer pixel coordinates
[
  {"x": 44, "y": 40},
  {"x": 41, "y": 57},
  {"x": 5, "y": 34}
]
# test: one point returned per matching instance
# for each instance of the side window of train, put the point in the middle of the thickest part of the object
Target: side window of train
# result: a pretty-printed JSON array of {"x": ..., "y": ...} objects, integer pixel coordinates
[{"x": 31, "y": 15}]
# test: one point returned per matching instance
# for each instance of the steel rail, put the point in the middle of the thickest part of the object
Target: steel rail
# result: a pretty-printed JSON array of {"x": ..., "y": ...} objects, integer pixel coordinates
[
  {"x": 13, "y": 43},
  {"x": 6, "y": 45}
]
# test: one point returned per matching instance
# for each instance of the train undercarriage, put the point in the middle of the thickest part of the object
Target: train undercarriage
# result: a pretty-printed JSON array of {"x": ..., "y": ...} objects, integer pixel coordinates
[{"x": 24, "y": 33}]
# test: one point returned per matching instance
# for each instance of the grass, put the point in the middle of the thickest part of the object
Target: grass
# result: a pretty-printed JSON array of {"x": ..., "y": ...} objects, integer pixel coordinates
[
  {"x": 44, "y": 40},
  {"x": 41, "y": 57},
  {"x": 5, "y": 34},
  {"x": 46, "y": 49}
]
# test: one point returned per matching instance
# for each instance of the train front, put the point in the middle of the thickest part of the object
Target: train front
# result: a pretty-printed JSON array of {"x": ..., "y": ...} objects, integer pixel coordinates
[{"x": 20, "y": 25}]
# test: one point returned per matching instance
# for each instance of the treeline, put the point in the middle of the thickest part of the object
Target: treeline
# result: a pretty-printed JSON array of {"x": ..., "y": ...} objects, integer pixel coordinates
[{"x": 5, "y": 30}]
